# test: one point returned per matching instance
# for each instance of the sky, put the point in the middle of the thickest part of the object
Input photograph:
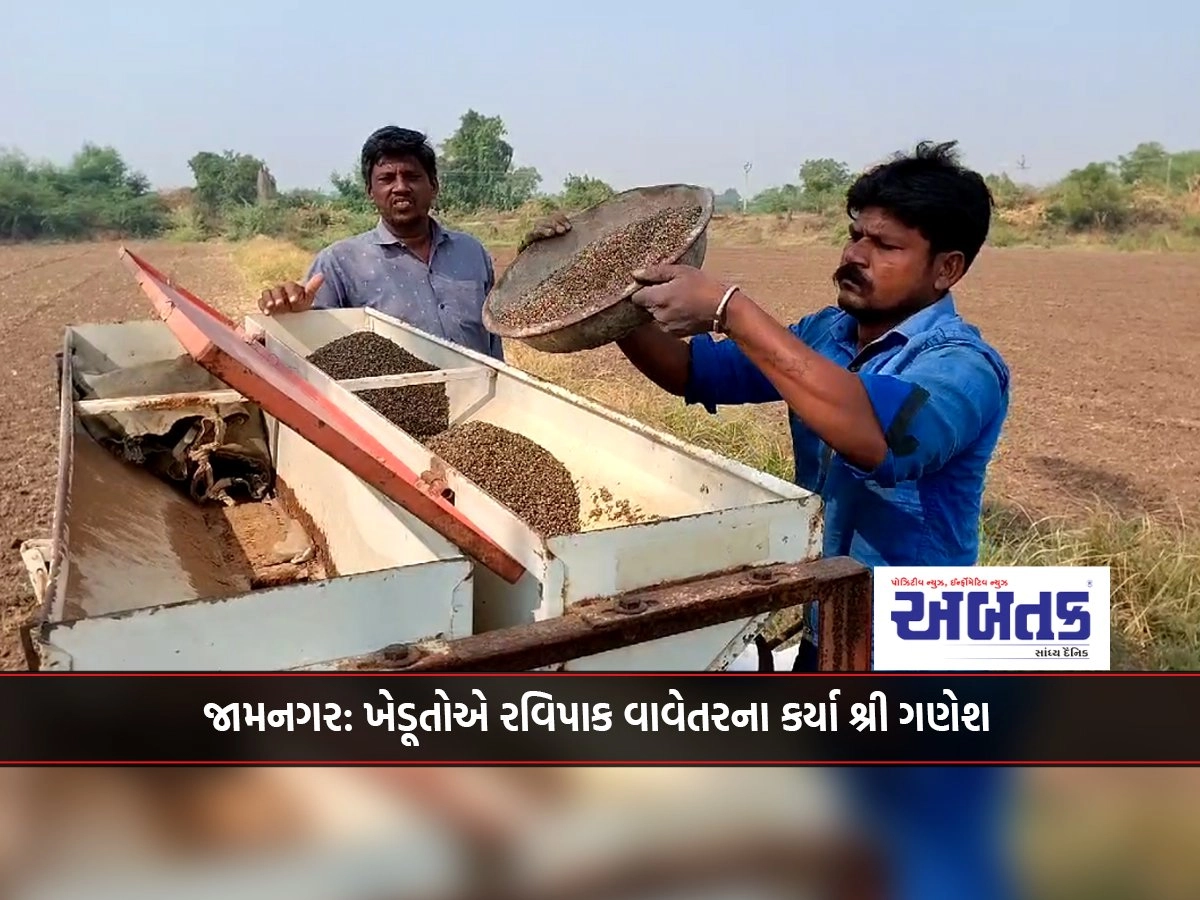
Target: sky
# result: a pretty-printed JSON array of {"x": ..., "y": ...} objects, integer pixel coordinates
[{"x": 632, "y": 92}]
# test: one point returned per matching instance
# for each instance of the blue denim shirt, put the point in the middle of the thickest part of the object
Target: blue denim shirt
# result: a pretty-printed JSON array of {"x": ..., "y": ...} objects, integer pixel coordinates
[
  {"x": 444, "y": 298},
  {"x": 940, "y": 393},
  {"x": 941, "y": 396}
]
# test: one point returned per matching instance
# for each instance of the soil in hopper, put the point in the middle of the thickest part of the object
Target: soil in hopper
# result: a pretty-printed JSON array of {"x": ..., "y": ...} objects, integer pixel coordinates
[
  {"x": 527, "y": 479},
  {"x": 604, "y": 268},
  {"x": 422, "y": 410}
]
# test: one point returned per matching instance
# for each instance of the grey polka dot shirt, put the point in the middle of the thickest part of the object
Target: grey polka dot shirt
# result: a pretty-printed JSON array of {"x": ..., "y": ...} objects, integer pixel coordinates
[{"x": 445, "y": 298}]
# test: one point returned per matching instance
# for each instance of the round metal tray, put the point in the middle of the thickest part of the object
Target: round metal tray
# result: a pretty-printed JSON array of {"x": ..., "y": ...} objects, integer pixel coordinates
[{"x": 605, "y": 319}]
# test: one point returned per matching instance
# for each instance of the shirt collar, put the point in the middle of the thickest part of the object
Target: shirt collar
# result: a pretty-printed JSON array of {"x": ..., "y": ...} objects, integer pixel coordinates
[
  {"x": 909, "y": 328},
  {"x": 383, "y": 235}
]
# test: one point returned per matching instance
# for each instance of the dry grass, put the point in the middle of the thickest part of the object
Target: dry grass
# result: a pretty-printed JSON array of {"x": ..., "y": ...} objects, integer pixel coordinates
[
  {"x": 265, "y": 262},
  {"x": 1155, "y": 571},
  {"x": 1155, "y": 565}
]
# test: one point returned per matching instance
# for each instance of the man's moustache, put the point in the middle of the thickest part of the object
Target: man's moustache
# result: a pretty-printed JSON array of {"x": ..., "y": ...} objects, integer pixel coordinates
[{"x": 851, "y": 273}]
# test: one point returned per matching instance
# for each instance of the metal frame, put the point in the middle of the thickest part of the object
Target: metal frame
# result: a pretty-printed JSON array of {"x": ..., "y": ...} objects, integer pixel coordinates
[
  {"x": 840, "y": 586},
  {"x": 750, "y": 604}
]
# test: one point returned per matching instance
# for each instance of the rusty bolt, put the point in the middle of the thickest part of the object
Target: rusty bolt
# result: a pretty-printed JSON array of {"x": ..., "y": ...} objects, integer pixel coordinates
[
  {"x": 399, "y": 656},
  {"x": 631, "y": 605},
  {"x": 761, "y": 577}
]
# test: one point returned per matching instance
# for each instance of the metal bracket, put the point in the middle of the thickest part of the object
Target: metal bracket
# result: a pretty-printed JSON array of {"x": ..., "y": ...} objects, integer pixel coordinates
[{"x": 841, "y": 585}]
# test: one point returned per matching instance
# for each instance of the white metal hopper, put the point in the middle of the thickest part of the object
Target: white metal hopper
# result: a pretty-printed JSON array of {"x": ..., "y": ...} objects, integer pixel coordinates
[
  {"x": 712, "y": 514},
  {"x": 136, "y": 576}
]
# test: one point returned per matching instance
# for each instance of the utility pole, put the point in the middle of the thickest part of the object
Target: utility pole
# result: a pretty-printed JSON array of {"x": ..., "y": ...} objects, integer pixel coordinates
[{"x": 746, "y": 195}]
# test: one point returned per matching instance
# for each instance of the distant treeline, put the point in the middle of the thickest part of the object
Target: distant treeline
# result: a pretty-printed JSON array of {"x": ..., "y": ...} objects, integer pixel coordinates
[{"x": 97, "y": 195}]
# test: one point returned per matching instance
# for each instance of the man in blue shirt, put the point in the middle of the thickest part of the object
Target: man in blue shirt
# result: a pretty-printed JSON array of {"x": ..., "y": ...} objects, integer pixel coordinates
[
  {"x": 895, "y": 407},
  {"x": 408, "y": 266}
]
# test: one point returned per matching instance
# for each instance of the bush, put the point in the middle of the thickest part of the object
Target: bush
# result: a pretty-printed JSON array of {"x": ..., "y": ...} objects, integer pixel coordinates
[
  {"x": 96, "y": 195},
  {"x": 1091, "y": 198}
]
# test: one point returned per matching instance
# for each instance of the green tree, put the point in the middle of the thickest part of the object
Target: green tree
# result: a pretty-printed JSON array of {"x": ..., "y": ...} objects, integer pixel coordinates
[
  {"x": 1150, "y": 163},
  {"x": 351, "y": 192},
  {"x": 223, "y": 181},
  {"x": 1147, "y": 162},
  {"x": 519, "y": 186},
  {"x": 582, "y": 191},
  {"x": 1007, "y": 193},
  {"x": 728, "y": 200},
  {"x": 1185, "y": 170},
  {"x": 476, "y": 170},
  {"x": 783, "y": 199},
  {"x": 96, "y": 194},
  {"x": 823, "y": 184},
  {"x": 1091, "y": 197}
]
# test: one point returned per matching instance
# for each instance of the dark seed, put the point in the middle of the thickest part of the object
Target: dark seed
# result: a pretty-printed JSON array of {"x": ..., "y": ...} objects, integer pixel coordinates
[
  {"x": 421, "y": 410},
  {"x": 603, "y": 268},
  {"x": 517, "y": 472},
  {"x": 526, "y": 478}
]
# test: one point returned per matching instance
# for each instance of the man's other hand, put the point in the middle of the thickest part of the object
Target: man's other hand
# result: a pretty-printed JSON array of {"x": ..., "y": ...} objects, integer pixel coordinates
[
  {"x": 290, "y": 297},
  {"x": 552, "y": 226}
]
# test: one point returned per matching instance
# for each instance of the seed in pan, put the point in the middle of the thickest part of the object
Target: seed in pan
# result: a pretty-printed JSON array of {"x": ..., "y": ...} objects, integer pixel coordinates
[{"x": 604, "y": 268}]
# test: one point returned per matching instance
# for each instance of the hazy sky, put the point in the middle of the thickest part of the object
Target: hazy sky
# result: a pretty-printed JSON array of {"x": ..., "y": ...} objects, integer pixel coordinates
[{"x": 632, "y": 92}]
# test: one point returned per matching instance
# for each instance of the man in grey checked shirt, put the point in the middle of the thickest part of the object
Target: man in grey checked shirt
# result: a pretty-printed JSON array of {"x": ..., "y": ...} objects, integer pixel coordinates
[{"x": 408, "y": 266}]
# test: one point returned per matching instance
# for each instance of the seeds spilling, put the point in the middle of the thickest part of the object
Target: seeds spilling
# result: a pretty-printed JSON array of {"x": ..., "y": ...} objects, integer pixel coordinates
[
  {"x": 605, "y": 506},
  {"x": 516, "y": 471},
  {"x": 604, "y": 268},
  {"x": 422, "y": 410}
]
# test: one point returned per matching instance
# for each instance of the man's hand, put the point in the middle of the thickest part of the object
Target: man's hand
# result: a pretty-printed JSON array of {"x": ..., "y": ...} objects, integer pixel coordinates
[
  {"x": 290, "y": 297},
  {"x": 546, "y": 228},
  {"x": 682, "y": 299}
]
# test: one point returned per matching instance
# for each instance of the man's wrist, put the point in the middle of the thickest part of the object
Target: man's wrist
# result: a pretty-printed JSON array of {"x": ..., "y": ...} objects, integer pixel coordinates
[
  {"x": 723, "y": 294},
  {"x": 733, "y": 314}
]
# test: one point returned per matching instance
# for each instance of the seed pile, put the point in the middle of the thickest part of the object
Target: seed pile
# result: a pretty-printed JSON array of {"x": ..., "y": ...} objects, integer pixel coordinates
[
  {"x": 604, "y": 268},
  {"x": 516, "y": 471},
  {"x": 422, "y": 410}
]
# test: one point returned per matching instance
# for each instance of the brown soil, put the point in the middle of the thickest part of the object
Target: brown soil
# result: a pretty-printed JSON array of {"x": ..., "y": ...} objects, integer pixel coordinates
[
  {"x": 604, "y": 268},
  {"x": 264, "y": 542},
  {"x": 516, "y": 471},
  {"x": 421, "y": 410},
  {"x": 291, "y": 505}
]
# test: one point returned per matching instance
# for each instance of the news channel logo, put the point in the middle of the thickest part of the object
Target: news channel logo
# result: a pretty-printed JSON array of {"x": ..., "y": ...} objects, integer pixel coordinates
[{"x": 992, "y": 618}]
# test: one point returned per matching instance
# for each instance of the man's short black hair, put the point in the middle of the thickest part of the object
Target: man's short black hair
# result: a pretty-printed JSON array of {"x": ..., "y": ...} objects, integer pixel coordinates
[
  {"x": 930, "y": 191},
  {"x": 391, "y": 142}
]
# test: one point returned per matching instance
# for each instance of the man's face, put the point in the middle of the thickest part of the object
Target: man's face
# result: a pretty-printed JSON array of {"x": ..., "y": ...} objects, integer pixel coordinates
[
  {"x": 402, "y": 191},
  {"x": 886, "y": 272}
]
